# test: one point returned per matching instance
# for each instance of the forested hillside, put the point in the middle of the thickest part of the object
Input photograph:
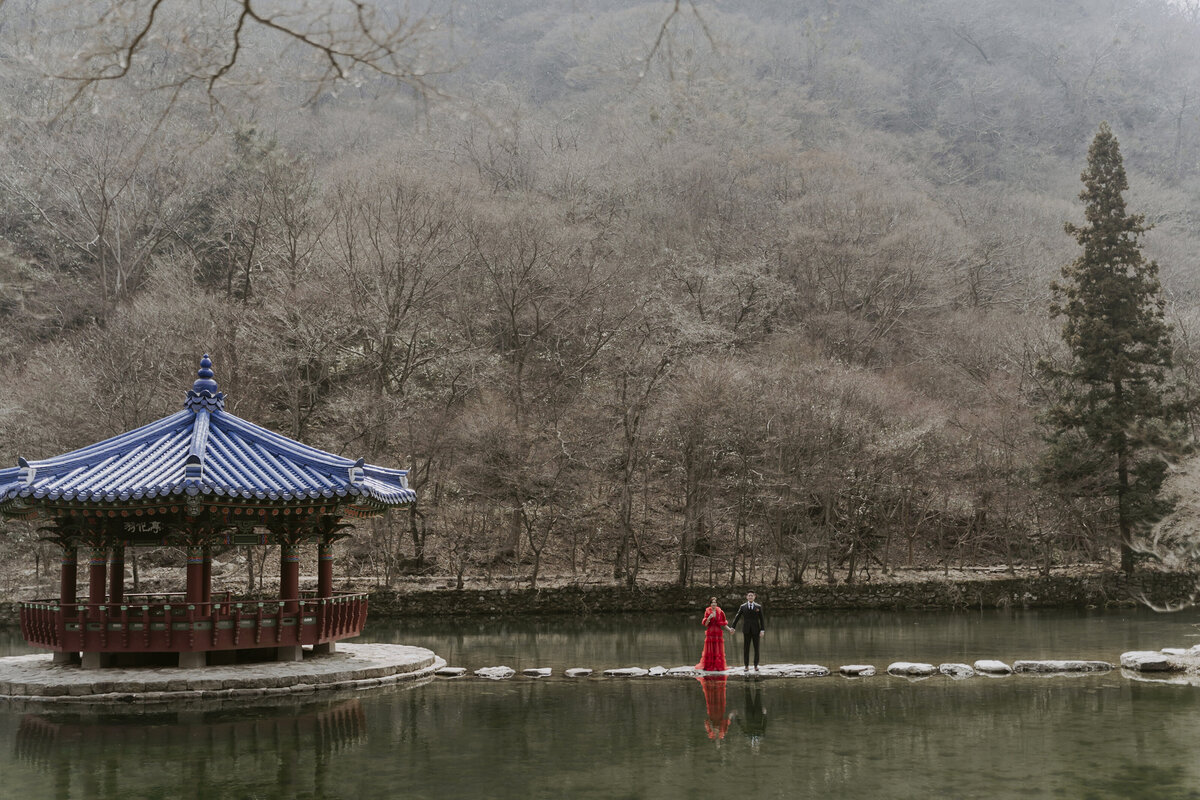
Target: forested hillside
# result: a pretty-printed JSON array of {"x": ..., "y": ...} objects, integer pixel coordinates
[{"x": 730, "y": 292}]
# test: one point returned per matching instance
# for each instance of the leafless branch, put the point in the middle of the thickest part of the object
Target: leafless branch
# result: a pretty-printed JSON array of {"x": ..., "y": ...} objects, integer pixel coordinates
[
  {"x": 664, "y": 29},
  {"x": 344, "y": 35}
]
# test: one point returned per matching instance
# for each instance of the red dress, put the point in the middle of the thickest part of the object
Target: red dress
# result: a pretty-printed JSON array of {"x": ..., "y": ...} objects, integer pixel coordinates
[{"x": 713, "y": 658}]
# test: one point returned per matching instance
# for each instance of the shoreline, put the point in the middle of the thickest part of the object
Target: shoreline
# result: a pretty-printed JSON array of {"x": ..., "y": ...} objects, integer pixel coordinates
[
  {"x": 1089, "y": 590},
  {"x": 1100, "y": 589}
]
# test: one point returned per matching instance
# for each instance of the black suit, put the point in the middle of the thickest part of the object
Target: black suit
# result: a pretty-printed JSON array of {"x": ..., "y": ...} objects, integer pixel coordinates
[{"x": 754, "y": 622}]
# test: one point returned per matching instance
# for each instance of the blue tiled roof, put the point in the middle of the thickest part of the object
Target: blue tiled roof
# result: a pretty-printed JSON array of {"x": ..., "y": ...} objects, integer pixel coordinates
[{"x": 206, "y": 451}]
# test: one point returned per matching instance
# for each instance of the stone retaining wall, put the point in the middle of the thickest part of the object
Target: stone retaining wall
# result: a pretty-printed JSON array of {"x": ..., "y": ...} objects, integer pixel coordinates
[
  {"x": 1059, "y": 591},
  {"x": 1089, "y": 591}
]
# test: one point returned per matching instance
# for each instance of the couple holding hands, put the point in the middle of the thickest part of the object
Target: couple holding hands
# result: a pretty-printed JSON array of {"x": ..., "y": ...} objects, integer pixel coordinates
[{"x": 753, "y": 627}]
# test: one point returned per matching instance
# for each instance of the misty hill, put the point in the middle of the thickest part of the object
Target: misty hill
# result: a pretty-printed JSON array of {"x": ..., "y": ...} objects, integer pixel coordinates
[{"x": 747, "y": 291}]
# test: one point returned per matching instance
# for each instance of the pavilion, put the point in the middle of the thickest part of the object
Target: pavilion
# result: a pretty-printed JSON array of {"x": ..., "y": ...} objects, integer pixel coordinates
[{"x": 197, "y": 479}]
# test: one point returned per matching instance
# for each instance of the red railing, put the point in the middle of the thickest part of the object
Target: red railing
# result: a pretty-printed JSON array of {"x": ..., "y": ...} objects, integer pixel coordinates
[{"x": 167, "y": 623}]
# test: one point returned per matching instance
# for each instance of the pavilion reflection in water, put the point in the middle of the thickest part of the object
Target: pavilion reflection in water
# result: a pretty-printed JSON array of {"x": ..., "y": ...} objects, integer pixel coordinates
[{"x": 82, "y": 752}]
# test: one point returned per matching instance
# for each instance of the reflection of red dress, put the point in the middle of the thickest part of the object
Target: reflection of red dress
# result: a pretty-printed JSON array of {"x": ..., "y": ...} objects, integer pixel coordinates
[
  {"x": 713, "y": 658},
  {"x": 714, "y": 704}
]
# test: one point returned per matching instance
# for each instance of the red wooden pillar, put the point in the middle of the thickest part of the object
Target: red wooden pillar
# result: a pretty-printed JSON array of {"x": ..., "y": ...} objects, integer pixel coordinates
[
  {"x": 324, "y": 591},
  {"x": 97, "y": 578},
  {"x": 116, "y": 575},
  {"x": 68, "y": 595},
  {"x": 195, "y": 574},
  {"x": 68, "y": 577},
  {"x": 325, "y": 569},
  {"x": 206, "y": 578},
  {"x": 97, "y": 575},
  {"x": 289, "y": 576}
]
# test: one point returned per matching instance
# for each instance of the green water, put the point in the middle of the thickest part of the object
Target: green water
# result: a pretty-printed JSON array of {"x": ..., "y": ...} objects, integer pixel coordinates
[{"x": 1093, "y": 736}]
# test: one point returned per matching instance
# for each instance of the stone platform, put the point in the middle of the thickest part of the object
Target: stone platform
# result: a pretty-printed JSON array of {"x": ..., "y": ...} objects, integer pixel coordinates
[{"x": 354, "y": 666}]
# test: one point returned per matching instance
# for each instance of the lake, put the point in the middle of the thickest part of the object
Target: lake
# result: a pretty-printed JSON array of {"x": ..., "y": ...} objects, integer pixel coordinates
[{"x": 1086, "y": 736}]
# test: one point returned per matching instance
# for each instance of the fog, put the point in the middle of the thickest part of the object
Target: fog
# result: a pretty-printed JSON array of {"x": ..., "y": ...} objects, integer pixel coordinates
[{"x": 706, "y": 292}]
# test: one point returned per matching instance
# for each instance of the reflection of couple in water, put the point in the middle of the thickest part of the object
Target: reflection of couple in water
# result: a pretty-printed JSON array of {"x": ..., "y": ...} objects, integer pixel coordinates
[
  {"x": 752, "y": 719},
  {"x": 754, "y": 625}
]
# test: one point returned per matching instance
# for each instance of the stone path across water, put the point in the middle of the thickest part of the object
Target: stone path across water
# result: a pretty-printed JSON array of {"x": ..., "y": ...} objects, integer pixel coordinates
[
  {"x": 1169, "y": 660},
  {"x": 353, "y": 666},
  {"x": 904, "y": 669}
]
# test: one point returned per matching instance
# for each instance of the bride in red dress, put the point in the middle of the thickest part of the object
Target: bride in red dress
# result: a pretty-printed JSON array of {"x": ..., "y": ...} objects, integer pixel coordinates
[{"x": 713, "y": 658}]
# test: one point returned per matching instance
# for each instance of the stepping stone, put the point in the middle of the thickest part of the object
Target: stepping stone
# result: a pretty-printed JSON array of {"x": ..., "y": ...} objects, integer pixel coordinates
[
  {"x": 578, "y": 672},
  {"x": 537, "y": 672},
  {"x": 1175, "y": 651},
  {"x": 1061, "y": 666},
  {"x": 808, "y": 671},
  {"x": 682, "y": 671},
  {"x": 657, "y": 672},
  {"x": 910, "y": 669},
  {"x": 957, "y": 671},
  {"x": 792, "y": 671},
  {"x": 988, "y": 667},
  {"x": 626, "y": 672},
  {"x": 1149, "y": 661},
  {"x": 495, "y": 673},
  {"x": 857, "y": 670},
  {"x": 451, "y": 672}
]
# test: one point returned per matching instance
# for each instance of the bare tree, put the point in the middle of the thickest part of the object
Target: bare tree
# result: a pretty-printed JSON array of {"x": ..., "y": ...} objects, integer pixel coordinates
[
  {"x": 114, "y": 190},
  {"x": 644, "y": 363},
  {"x": 221, "y": 47}
]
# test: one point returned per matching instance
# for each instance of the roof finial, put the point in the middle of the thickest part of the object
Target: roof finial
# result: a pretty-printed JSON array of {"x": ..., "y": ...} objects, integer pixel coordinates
[
  {"x": 203, "y": 393},
  {"x": 205, "y": 380}
]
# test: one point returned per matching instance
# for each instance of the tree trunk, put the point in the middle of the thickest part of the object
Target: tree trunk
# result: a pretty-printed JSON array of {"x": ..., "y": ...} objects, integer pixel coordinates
[
  {"x": 625, "y": 525},
  {"x": 537, "y": 565},
  {"x": 1122, "y": 515},
  {"x": 249, "y": 570},
  {"x": 513, "y": 539},
  {"x": 416, "y": 530}
]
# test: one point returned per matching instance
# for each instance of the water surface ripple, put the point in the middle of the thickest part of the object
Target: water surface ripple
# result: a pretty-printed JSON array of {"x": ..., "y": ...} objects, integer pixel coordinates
[{"x": 1086, "y": 736}]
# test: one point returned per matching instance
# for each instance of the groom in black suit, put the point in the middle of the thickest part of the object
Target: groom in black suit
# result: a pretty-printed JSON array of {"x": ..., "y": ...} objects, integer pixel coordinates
[{"x": 754, "y": 625}]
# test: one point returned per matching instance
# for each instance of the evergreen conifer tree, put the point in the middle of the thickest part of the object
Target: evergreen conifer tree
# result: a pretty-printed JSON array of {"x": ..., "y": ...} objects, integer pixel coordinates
[{"x": 1115, "y": 419}]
